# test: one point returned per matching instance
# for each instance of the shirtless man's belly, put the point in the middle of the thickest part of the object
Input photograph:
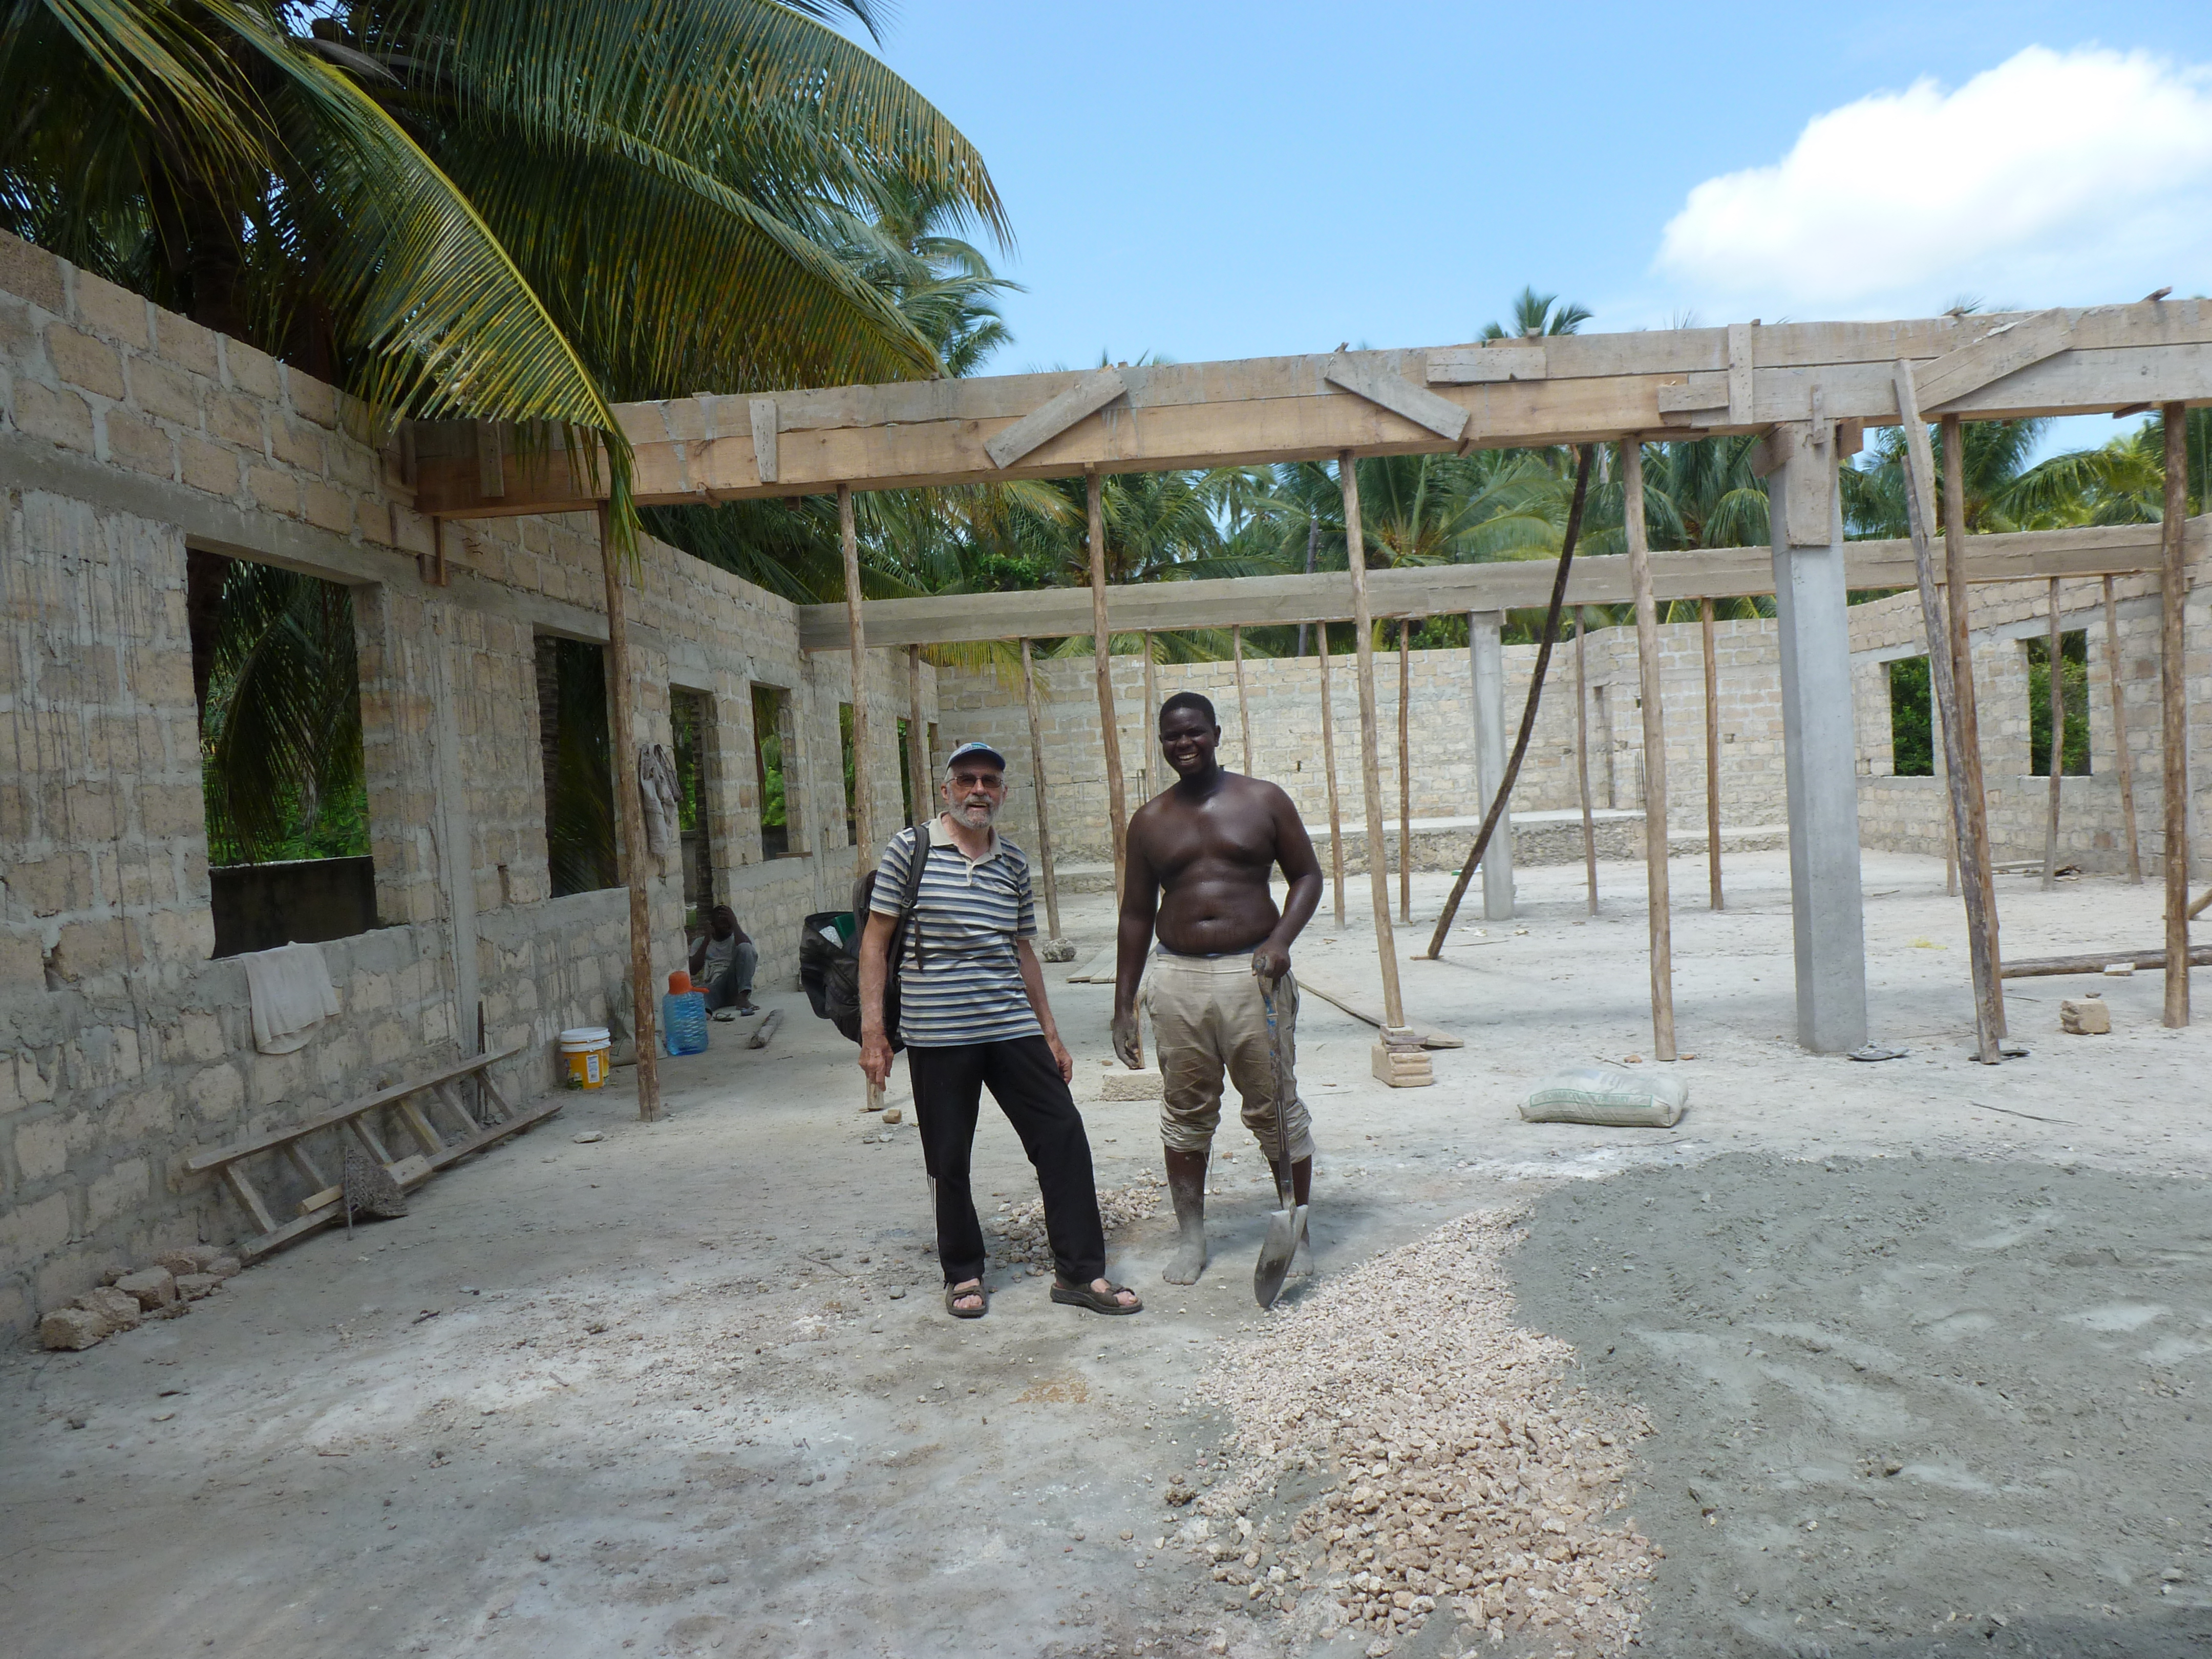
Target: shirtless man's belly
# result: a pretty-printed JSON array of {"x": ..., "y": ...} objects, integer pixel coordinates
[{"x": 1199, "y": 856}]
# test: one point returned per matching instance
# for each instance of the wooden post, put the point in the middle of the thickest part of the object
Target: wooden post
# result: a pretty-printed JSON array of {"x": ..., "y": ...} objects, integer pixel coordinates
[
  {"x": 917, "y": 737},
  {"x": 2174, "y": 593},
  {"x": 1151, "y": 721},
  {"x": 631, "y": 806},
  {"x": 1328, "y": 766},
  {"x": 1712, "y": 756},
  {"x": 1405, "y": 775},
  {"x": 1101, "y": 642},
  {"x": 2055, "y": 680},
  {"x": 1582, "y": 753},
  {"x": 1036, "y": 783},
  {"x": 863, "y": 817},
  {"x": 1962, "y": 772},
  {"x": 1655, "y": 751},
  {"x": 1942, "y": 771},
  {"x": 1976, "y": 796},
  {"x": 1244, "y": 704},
  {"x": 2125, "y": 759},
  {"x": 1398, "y": 1057}
]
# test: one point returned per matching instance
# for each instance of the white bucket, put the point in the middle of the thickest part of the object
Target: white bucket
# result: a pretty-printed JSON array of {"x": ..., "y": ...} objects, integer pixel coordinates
[{"x": 587, "y": 1051}]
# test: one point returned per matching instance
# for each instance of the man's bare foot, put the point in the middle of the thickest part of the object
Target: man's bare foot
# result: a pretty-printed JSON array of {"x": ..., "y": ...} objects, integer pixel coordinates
[{"x": 1186, "y": 1187}]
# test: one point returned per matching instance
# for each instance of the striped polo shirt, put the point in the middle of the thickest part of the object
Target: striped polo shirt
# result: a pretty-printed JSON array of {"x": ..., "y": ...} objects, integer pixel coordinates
[{"x": 966, "y": 985}]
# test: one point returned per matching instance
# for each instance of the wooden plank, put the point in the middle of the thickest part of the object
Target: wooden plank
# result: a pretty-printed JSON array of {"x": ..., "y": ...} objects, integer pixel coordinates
[
  {"x": 1712, "y": 757},
  {"x": 336, "y": 1114},
  {"x": 1582, "y": 756},
  {"x": 297, "y": 1155},
  {"x": 2173, "y": 708},
  {"x": 2124, "y": 760},
  {"x": 1329, "y": 992},
  {"x": 1086, "y": 397},
  {"x": 630, "y": 804},
  {"x": 763, "y": 411},
  {"x": 1485, "y": 365},
  {"x": 1102, "y": 648},
  {"x": 1329, "y": 767},
  {"x": 765, "y": 1030},
  {"x": 1244, "y": 700},
  {"x": 1959, "y": 570},
  {"x": 1099, "y": 971},
  {"x": 2200, "y": 955},
  {"x": 2009, "y": 346},
  {"x": 1037, "y": 783},
  {"x": 2055, "y": 683},
  {"x": 248, "y": 1199},
  {"x": 491, "y": 459},
  {"x": 865, "y": 845},
  {"x": 426, "y": 1135},
  {"x": 1700, "y": 392},
  {"x": 1424, "y": 408},
  {"x": 1742, "y": 347},
  {"x": 1405, "y": 775},
  {"x": 463, "y": 1120},
  {"x": 1657, "y": 900},
  {"x": 1922, "y": 516}
]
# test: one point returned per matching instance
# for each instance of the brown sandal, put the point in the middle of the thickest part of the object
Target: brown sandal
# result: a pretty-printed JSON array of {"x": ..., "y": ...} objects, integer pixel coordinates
[
  {"x": 1107, "y": 1301},
  {"x": 953, "y": 1292}
]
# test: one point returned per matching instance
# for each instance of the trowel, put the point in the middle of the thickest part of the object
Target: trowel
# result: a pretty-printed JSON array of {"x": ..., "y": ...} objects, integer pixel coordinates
[{"x": 1288, "y": 1225}]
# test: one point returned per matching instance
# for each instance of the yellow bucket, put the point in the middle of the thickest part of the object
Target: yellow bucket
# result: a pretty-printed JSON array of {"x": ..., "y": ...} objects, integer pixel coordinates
[{"x": 586, "y": 1050}]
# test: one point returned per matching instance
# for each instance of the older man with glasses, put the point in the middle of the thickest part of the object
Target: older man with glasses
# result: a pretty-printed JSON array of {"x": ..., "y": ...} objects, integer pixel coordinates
[{"x": 972, "y": 1015}]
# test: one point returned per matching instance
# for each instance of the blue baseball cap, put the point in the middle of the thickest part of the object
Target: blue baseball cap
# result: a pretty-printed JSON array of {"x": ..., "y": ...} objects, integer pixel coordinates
[{"x": 967, "y": 748}]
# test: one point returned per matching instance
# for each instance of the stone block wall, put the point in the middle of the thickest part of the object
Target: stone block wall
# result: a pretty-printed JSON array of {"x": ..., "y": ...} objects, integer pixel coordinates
[{"x": 127, "y": 435}]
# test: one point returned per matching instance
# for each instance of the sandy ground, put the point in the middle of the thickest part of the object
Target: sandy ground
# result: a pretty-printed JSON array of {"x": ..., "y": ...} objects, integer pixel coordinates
[{"x": 688, "y": 1388}]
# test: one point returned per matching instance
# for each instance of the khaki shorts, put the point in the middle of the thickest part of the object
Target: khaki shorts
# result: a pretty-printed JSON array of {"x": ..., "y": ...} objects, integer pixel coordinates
[{"x": 1208, "y": 1016}]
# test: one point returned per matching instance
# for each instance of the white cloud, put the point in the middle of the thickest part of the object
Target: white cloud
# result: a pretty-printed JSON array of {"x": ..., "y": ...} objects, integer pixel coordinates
[{"x": 2056, "y": 178}]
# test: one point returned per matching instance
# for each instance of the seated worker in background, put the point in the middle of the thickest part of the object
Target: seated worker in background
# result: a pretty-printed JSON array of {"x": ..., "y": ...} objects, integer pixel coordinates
[{"x": 722, "y": 961}]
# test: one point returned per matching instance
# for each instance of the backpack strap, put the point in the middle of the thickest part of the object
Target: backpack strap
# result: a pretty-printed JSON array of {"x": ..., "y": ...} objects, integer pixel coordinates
[{"x": 917, "y": 860}]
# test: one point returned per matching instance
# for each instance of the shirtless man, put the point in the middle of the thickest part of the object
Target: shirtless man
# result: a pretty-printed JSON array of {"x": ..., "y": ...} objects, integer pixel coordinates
[{"x": 1198, "y": 860}]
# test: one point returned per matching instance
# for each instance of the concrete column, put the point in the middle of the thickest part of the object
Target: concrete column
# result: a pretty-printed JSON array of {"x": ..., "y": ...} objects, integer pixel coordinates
[
  {"x": 1819, "y": 742},
  {"x": 1486, "y": 658}
]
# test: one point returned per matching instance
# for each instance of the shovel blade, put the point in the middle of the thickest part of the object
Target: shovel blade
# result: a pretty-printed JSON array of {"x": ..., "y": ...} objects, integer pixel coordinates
[{"x": 1283, "y": 1229}]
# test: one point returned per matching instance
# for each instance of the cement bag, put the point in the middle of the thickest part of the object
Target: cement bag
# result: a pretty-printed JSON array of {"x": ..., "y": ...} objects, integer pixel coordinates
[{"x": 1613, "y": 1096}]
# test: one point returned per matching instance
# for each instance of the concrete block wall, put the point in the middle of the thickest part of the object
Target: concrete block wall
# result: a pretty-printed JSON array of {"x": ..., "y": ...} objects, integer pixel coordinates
[
  {"x": 127, "y": 434},
  {"x": 1284, "y": 694}
]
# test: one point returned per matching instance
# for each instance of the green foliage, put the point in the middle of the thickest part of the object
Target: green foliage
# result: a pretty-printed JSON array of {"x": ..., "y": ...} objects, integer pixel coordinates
[
  {"x": 2074, "y": 695},
  {"x": 580, "y": 803},
  {"x": 1911, "y": 714}
]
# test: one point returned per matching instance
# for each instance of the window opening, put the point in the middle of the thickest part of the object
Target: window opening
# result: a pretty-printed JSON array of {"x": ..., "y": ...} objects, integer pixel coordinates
[
  {"x": 690, "y": 719},
  {"x": 906, "y": 765},
  {"x": 2074, "y": 689},
  {"x": 771, "y": 727},
  {"x": 1911, "y": 724},
  {"x": 845, "y": 750},
  {"x": 281, "y": 773},
  {"x": 576, "y": 748}
]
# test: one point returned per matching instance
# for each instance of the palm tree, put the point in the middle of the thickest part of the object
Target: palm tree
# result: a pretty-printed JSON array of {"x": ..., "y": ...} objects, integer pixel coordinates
[{"x": 1536, "y": 314}]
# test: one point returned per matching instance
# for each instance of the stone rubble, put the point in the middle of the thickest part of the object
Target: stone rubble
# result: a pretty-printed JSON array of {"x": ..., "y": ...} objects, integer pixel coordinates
[
  {"x": 1468, "y": 1474},
  {"x": 178, "y": 1277},
  {"x": 1021, "y": 1240}
]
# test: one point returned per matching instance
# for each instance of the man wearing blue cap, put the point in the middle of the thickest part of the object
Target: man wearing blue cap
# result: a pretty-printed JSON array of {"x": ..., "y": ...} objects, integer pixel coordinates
[{"x": 973, "y": 1014}]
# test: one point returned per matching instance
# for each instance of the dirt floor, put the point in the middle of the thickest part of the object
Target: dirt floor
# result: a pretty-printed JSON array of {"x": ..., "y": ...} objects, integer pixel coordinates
[{"x": 1919, "y": 1346}]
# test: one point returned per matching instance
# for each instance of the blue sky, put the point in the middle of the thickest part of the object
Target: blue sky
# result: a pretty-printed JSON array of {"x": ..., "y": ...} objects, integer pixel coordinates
[{"x": 1212, "y": 179}]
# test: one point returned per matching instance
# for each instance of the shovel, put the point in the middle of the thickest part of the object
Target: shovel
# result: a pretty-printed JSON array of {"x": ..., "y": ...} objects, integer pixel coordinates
[{"x": 1288, "y": 1225}]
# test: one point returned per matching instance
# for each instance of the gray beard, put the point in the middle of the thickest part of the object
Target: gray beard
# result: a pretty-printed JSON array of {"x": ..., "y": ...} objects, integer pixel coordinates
[{"x": 966, "y": 815}]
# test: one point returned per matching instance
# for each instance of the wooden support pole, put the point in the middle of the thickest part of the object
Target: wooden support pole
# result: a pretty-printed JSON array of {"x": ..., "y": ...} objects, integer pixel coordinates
[
  {"x": 1961, "y": 773},
  {"x": 917, "y": 738},
  {"x": 1243, "y": 702},
  {"x": 1151, "y": 723},
  {"x": 2124, "y": 757},
  {"x": 1712, "y": 756},
  {"x": 1328, "y": 767},
  {"x": 2055, "y": 683},
  {"x": 1036, "y": 783},
  {"x": 1102, "y": 642},
  {"x": 2174, "y": 593},
  {"x": 864, "y": 815},
  {"x": 1581, "y": 752},
  {"x": 1655, "y": 751},
  {"x": 1405, "y": 771},
  {"x": 1398, "y": 1059},
  {"x": 1941, "y": 769},
  {"x": 631, "y": 806},
  {"x": 1974, "y": 798}
]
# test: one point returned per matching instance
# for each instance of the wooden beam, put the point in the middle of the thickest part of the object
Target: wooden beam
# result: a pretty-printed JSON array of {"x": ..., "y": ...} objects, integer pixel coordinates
[
  {"x": 1486, "y": 365},
  {"x": 864, "y": 845},
  {"x": 1427, "y": 589},
  {"x": 1328, "y": 766},
  {"x": 1263, "y": 410},
  {"x": 1243, "y": 702},
  {"x": 1148, "y": 726},
  {"x": 1921, "y": 517},
  {"x": 1958, "y": 573},
  {"x": 2010, "y": 346},
  {"x": 1581, "y": 755},
  {"x": 1086, "y": 397},
  {"x": 1037, "y": 783},
  {"x": 1424, "y": 408},
  {"x": 2173, "y": 707},
  {"x": 1712, "y": 757},
  {"x": 1102, "y": 643},
  {"x": 1657, "y": 898},
  {"x": 917, "y": 740},
  {"x": 763, "y": 411},
  {"x": 1399, "y": 1060},
  {"x": 2124, "y": 760},
  {"x": 1405, "y": 773},
  {"x": 630, "y": 804}
]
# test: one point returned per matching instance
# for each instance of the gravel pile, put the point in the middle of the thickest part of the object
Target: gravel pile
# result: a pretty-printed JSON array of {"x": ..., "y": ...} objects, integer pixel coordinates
[
  {"x": 1020, "y": 1238},
  {"x": 1467, "y": 1476}
]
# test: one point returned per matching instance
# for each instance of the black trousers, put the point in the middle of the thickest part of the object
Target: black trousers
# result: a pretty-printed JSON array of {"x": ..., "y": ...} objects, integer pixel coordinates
[{"x": 1024, "y": 1079}]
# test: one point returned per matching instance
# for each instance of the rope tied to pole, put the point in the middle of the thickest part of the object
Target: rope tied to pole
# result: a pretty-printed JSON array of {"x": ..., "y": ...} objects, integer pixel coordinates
[{"x": 1529, "y": 710}]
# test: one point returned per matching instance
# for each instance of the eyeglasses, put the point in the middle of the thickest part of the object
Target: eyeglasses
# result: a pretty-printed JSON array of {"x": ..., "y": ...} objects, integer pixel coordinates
[{"x": 977, "y": 780}]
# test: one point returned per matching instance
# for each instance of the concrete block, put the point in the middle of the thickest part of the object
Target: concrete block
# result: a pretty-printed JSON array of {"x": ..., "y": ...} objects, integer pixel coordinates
[
  {"x": 119, "y": 1307},
  {"x": 121, "y": 1192},
  {"x": 114, "y": 312},
  {"x": 1401, "y": 1068},
  {"x": 2084, "y": 1017},
  {"x": 296, "y": 444},
  {"x": 58, "y": 415},
  {"x": 329, "y": 508},
  {"x": 276, "y": 490},
  {"x": 32, "y": 272},
  {"x": 41, "y": 1149},
  {"x": 185, "y": 343},
  {"x": 182, "y": 1259},
  {"x": 50, "y": 886},
  {"x": 236, "y": 419},
  {"x": 250, "y": 371},
  {"x": 72, "y": 1329},
  {"x": 83, "y": 361},
  {"x": 1118, "y": 1083},
  {"x": 151, "y": 1287},
  {"x": 190, "y": 1287},
  {"x": 208, "y": 466},
  {"x": 312, "y": 397}
]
